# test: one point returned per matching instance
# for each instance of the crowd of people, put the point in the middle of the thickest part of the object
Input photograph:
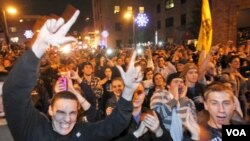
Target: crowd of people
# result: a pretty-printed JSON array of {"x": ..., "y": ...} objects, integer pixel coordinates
[{"x": 173, "y": 93}]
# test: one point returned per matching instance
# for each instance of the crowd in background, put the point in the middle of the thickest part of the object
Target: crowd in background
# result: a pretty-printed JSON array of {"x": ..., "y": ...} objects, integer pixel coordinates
[{"x": 96, "y": 75}]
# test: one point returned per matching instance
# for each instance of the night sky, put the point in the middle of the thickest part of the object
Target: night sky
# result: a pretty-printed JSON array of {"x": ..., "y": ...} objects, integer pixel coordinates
[{"x": 47, "y": 7}]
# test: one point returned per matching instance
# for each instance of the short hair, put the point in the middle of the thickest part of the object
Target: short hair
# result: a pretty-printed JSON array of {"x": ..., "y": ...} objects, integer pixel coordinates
[
  {"x": 217, "y": 87},
  {"x": 172, "y": 76},
  {"x": 63, "y": 95},
  {"x": 118, "y": 79}
]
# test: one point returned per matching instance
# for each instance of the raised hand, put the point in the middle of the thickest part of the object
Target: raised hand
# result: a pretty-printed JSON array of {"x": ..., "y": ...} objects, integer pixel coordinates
[
  {"x": 132, "y": 77},
  {"x": 75, "y": 76},
  {"x": 59, "y": 86},
  {"x": 184, "y": 91},
  {"x": 53, "y": 33}
]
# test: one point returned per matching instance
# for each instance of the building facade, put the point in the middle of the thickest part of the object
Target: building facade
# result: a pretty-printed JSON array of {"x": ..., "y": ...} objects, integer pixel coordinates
[
  {"x": 108, "y": 15},
  {"x": 231, "y": 20},
  {"x": 20, "y": 29},
  {"x": 176, "y": 21},
  {"x": 172, "y": 21}
]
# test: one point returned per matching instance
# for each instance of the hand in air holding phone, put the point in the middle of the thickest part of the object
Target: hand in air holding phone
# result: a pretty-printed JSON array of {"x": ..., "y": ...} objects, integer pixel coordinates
[
  {"x": 61, "y": 84},
  {"x": 64, "y": 83}
]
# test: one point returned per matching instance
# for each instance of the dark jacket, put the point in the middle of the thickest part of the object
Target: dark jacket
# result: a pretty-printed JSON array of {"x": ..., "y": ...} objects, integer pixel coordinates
[
  {"x": 27, "y": 124},
  {"x": 111, "y": 102},
  {"x": 5, "y": 133},
  {"x": 199, "y": 90}
]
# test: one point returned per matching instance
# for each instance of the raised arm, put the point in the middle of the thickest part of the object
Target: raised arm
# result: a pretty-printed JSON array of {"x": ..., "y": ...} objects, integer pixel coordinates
[
  {"x": 53, "y": 33},
  {"x": 120, "y": 118},
  {"x": 21, "y": 115},
  {"x": 132, "y": 77}
]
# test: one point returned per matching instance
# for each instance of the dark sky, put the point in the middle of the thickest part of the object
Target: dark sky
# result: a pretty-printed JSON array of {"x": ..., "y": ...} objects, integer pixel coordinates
[{"x": 47, "y": 7}]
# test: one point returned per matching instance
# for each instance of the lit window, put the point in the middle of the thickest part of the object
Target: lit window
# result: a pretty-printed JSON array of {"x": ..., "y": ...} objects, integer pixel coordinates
[
  {"x": 116, "y": 9},
  {"x": 141, "y": 9},
  {"x": 14, "y": 39},
  {"x": 169, "y": 4},
  {"x": 13, "y": 29},
  {"x": 130, "y": 9}
]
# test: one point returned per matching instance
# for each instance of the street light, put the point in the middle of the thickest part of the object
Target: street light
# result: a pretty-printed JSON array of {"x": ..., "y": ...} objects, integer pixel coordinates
[
  {"x": 141, "y": 20},
  {"x": 130, "y": 15},
  {"x": 12, "y": 11}
]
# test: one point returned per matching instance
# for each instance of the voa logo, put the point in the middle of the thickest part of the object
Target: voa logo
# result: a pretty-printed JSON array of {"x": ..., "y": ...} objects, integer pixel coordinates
[{"x": 236, "y": 132}]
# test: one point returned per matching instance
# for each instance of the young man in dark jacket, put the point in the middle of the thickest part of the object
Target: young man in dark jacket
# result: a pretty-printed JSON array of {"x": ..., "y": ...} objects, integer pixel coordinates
[{"x": 28, "y": 124}]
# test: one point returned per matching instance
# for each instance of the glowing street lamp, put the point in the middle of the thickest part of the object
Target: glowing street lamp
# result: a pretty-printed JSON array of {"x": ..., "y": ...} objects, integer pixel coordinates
[
  {"x": 129, "y": 15},
  {"x": 9, "y": 10},
  {"x": 141, "y": 20}
]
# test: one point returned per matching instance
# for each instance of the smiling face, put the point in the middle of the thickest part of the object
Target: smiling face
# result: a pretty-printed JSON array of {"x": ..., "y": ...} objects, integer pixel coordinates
[
  {"x": 87, "y": 70},
  {"x": 221, "y": 106},
  {"x": 159, "y": 80},
  {"x": 161, "y": 62},
  {"x": 117, "y": 87},
  {"x": 64, "y": 115}
]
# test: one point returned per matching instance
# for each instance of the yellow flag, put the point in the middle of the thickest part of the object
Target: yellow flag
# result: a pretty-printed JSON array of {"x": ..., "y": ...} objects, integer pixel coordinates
[{"x": 205, "y": 34}]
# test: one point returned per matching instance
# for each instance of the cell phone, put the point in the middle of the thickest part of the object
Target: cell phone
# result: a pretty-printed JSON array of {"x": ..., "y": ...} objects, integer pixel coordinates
[{"x": 63, "y": 80}]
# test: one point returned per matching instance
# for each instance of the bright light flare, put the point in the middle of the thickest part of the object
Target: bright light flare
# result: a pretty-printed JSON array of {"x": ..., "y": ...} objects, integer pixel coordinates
[
  {"x": 139, "y": 50},
  {"x": 66, "y": 48},
  {"x": 109, "y": 51},
  {"x": 160, "y": 43},
  {"x": 128, "y": 15},
  {"x": 105, "y": 33},
  {"x": 11, "y": 10}
]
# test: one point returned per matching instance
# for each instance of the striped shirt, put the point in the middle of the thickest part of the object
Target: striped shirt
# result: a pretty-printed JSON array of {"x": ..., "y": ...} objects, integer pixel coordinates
[{"x": 163, "y": 102}]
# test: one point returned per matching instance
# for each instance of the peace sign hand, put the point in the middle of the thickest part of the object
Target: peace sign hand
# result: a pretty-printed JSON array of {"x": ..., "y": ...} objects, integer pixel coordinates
[
  {"x": 53, "y": 33},
  {"x": 132, "y": 77}
]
